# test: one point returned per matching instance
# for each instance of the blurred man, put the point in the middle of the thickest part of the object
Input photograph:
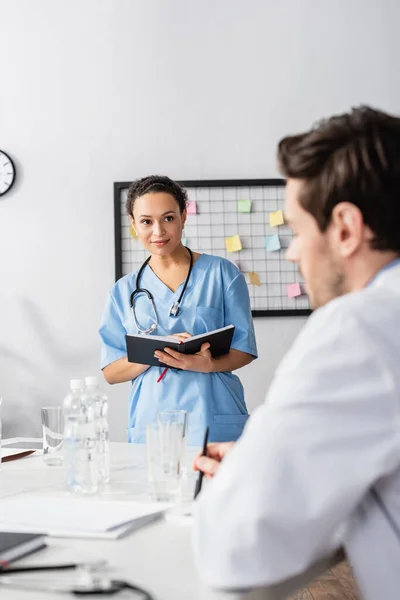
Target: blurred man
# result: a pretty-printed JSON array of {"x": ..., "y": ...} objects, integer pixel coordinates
[{"x": 318, "y": 465}]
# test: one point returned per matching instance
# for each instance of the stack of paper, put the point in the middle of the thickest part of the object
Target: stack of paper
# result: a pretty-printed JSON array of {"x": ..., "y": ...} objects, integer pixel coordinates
[{"x": 67, "y": 516}]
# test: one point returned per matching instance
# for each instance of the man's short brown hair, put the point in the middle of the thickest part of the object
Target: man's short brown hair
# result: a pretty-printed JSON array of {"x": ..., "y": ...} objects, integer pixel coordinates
[{"x": 355, "y": 158}]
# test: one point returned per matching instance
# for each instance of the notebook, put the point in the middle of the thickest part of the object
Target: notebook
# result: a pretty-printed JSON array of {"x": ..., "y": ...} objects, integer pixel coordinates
[
  {"x": 16, "y": 545},
  {"x": 141, "y": 347}
]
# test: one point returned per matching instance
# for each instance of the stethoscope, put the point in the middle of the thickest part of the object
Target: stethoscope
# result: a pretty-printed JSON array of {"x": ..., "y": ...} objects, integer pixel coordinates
[
  {"x": 92, "y": 580},
  {"x": 173, "y": 311}
]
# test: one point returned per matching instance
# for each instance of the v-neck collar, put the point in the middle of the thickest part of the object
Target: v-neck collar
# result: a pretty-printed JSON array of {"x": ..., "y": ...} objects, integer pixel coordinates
[{"x": 162, "y": 291}]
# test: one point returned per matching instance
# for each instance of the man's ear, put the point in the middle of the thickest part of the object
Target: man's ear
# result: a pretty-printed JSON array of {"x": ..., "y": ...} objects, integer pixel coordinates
[{"x": 349, "y": 228}]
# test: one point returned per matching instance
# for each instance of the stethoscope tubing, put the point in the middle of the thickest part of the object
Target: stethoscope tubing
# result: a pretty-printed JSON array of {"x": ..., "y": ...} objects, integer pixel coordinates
[{"x": 174, "y": 310}]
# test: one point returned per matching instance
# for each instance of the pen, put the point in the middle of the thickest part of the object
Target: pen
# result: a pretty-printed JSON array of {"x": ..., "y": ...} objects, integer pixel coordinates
[
  {"x": 201, "y": 474},
  {"x": 165, "y": 370},
  {"x": 162, "y": 375}
]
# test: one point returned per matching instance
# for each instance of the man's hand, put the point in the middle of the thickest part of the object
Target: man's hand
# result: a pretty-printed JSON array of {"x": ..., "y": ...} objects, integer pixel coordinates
[
  {"x": 215, "y": 453},
  {"x": 202, "y": 362}
]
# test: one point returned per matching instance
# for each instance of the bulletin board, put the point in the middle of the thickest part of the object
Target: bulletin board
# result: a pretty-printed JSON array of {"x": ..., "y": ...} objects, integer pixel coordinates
[{"x": 238, "y": 219}]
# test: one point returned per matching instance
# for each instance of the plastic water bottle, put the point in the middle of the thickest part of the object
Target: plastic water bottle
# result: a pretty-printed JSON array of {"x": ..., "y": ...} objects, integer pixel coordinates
[
  {"x": 80, "y": 440},
  {"x": 72, "y": 413},
  {"x": 102, "y": 441}
]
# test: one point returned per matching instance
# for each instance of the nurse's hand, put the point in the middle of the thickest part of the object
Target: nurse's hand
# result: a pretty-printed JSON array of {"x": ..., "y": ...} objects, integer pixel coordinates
[
  {"x": 181, "y": 336},
  {"x": 209, "y": 464},
  {"x": 202, "y": 362}
]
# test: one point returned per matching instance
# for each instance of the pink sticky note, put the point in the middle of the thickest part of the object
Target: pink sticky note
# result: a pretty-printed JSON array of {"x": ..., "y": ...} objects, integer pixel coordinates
[
  {"x": 293, "y": 290},
  {"x": 191, "y": 208}
]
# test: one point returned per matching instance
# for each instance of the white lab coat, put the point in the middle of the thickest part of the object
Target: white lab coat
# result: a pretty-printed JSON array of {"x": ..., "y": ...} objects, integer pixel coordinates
[{"x": 296, "y": 485}]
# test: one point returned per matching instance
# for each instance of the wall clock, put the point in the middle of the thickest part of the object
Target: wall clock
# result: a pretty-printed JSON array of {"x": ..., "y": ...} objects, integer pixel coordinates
[{"x": 7, "y": 173}]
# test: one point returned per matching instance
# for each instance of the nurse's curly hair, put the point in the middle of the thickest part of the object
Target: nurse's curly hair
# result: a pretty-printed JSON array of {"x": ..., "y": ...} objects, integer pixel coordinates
[
  {"x": 155, "y": 183},
  {"x": 354, "y": 157}
]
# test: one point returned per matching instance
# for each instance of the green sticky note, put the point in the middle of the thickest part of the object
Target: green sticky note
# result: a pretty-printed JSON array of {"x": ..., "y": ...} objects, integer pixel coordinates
[{"x": 244, "y": 206}]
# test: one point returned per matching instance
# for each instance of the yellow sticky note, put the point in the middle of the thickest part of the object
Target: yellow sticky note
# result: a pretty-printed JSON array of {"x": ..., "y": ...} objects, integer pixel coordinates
[
  {"x": 133, "y": 233},
  {"x": 276, "y": 218},
  {"x": 254, "y": 278},
  {"x": 233, "y": 243}
]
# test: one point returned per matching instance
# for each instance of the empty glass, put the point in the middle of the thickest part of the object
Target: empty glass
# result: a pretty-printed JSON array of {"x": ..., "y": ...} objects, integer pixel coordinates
[
  {"x": 53, "y": 434},
  {"x": 170, "y": 417},
  {"x": 163, "y": 450}
]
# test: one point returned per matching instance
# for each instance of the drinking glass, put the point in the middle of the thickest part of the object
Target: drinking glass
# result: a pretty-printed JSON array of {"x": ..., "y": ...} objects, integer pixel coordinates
[
  {"x": 168, "y": 418},
  {"x": 163, "y": 452},
  {"x": 53, "y": 434}
]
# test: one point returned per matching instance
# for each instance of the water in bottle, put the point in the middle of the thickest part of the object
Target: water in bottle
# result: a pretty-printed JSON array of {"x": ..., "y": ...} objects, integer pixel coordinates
[
  {"x": 80, "y": 440},
  {"x": 102, "y": 441}
]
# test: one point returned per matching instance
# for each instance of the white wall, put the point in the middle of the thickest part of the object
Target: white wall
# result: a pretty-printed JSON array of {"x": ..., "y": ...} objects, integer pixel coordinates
[{"x": 97, "y": 91}]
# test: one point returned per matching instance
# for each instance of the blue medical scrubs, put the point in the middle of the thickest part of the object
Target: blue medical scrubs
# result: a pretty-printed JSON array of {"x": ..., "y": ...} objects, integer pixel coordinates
[{"x": 216, "y": 296}]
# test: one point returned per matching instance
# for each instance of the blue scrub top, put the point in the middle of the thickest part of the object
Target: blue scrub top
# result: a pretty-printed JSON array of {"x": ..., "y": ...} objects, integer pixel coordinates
[{"x": 216, "y": 296}]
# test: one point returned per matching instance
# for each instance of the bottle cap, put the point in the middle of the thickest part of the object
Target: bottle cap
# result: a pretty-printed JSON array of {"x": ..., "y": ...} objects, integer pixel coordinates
[
  {"x": 77, "y": 384},
  {"x": 91, "y": 381}
]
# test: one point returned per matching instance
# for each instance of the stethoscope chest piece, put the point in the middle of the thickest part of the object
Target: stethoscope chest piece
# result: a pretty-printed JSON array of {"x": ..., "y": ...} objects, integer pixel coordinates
[{"x": 174, "y": 310}]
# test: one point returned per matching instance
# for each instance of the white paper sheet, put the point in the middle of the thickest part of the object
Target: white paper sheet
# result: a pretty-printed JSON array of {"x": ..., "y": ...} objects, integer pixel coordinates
[{"x": 75, "y": 517}]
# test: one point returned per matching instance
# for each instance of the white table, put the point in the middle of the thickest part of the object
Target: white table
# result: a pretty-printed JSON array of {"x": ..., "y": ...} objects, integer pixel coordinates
[{"x": 158, "y": 557}]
